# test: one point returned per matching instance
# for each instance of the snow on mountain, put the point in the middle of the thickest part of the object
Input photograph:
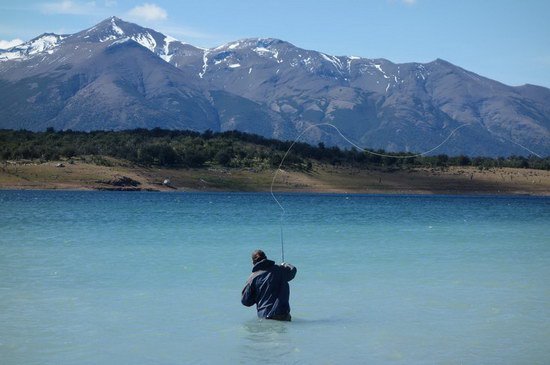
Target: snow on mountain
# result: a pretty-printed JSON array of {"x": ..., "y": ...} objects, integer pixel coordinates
[
  {"x": 46, "y": 42},
  {"x": 165, "y": 54},
  {"x": 109, "y": 31},
  {"x": 115, "y": 29},
  {"x": 248, "y": 53},
  {"x": 143, "y": 78}
]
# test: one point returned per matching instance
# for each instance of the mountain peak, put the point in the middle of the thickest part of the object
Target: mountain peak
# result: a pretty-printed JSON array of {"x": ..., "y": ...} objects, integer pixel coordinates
[
  {"x": 109, "y": 29},
  {"x": 265, "y": 43},
  {"x": 110, "y": 20},
  {"x": 103, "y": 77},
  {"x": 115, "y": 29}
]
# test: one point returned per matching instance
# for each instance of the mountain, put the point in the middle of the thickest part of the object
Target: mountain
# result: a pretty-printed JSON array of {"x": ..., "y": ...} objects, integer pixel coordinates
[
  {"x": 105, "y": 77},
  {"x": 118, "y": 75}
]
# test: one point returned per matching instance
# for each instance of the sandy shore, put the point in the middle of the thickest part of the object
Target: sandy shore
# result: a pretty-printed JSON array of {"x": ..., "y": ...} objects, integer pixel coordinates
[{"x": 324, "y": 179}]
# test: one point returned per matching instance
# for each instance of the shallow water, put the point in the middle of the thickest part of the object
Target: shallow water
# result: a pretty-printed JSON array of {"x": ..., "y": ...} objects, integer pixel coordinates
[{"x": 151, "y": 278}]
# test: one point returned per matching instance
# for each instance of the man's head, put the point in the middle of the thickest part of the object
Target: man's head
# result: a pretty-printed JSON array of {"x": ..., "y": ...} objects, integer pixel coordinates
[{"x": 257, "y": 256}]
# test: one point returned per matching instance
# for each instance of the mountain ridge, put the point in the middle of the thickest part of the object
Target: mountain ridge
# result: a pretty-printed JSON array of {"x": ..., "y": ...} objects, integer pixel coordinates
[{"x": 266, "y": 86}]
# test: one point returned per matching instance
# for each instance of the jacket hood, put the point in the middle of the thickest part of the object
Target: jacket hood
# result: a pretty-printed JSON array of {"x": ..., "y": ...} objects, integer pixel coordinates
[{"x": 263, "y": 265}]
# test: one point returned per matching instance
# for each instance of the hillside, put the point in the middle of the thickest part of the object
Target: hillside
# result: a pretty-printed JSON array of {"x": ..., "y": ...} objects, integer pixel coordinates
[
  {"x": 163, "y": 160},
  {"x": 119, "y": 75}
]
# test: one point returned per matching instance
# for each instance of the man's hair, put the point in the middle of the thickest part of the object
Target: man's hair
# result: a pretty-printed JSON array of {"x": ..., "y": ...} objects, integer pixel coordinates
[{"x": 257, "y": 256}]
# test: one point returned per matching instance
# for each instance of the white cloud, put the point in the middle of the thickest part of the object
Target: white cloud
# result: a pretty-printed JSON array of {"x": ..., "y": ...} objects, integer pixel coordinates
[
  {"x": 9, "y": 44},
  {"x": 409, "y": 2},
  {"x": 69, "y": 7},
  {"x": 148, "y": 12}
]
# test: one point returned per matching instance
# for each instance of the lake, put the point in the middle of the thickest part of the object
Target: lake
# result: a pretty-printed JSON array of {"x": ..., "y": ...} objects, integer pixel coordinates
[{"x": 155, "y": 278}]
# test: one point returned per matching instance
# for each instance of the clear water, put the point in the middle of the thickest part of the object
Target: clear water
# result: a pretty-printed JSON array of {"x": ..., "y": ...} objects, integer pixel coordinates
[{"x": 151, "y": 278}]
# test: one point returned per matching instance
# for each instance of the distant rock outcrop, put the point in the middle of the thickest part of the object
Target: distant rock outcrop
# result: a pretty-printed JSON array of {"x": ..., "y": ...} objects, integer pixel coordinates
[{"x": 120, "y": 182}]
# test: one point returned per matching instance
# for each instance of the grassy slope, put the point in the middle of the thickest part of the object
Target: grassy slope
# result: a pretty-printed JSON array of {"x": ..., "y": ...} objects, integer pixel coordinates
[{"x": 455, "y": 180}]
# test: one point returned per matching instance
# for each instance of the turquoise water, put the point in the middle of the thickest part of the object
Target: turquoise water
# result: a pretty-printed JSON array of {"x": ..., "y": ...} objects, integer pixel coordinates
[{"x": 153, "y": 278}]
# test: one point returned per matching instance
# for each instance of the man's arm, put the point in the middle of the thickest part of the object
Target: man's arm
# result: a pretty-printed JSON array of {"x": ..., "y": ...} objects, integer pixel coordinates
[
  {"x": 289, "y": 271},
  {"x": 248, "y": 296}
]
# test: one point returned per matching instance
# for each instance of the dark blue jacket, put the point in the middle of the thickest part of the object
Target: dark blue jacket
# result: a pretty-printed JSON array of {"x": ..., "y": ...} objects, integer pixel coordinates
[{"x": 268, "y": 288}]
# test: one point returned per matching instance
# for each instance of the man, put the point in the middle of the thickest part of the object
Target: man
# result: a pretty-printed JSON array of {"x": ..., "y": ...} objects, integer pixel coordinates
[{"x": 268, "y": 288}]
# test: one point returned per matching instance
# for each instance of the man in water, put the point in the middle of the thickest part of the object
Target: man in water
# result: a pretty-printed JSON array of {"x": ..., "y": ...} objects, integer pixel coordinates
[{"x": 268, "y": 288}]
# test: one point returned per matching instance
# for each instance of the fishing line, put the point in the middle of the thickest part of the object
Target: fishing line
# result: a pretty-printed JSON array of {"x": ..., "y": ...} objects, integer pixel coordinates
[
  {"x": 361, "y": 149},
  {"x": 514, "y": 142},
  {"x": 351, "y": 143}
]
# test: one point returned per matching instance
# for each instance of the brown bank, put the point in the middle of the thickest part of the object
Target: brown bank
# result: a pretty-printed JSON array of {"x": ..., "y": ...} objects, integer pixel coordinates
[{"x": 323, "y": 179}]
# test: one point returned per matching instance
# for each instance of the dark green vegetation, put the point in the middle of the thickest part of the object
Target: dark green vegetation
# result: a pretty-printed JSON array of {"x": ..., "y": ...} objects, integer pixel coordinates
[{"x": 187, "y": 149}]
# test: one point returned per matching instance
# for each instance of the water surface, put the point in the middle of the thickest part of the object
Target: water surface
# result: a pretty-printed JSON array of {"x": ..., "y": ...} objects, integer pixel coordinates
[{"x": 152, "y": 278}]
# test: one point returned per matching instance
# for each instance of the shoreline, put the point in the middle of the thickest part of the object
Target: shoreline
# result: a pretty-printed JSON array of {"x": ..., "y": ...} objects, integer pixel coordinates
[
  {"x": 118, "y": 176},
  {"x": 301, "y": 192}
]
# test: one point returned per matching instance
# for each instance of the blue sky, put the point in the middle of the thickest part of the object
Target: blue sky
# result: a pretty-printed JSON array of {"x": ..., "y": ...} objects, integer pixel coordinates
[{"x": 506, "y": 40}]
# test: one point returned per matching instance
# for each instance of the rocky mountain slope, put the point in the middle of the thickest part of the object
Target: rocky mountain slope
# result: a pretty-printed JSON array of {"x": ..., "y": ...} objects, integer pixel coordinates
[{"x": 118, "y": 75}]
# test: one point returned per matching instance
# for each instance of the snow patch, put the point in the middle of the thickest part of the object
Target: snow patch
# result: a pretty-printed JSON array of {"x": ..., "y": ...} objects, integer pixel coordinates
[
  {"x": 334, "y": 60},
  {"x": 234, "y": 45},
  {"x": 262, "y": 51},
  {"x": 146, "y": 40},
  {"x": 235, "y": 65},
  {"x": 379, "y": 68},
  {"x": 8, "y": 56},
  {"x": 350, "y": 60},
  {"x": 116, "y": 28},
  {"x": 120, "y": 41},
  {"x": 46, "y": 43},
  {"x": 166, "y": 58},
  {"x": 165, "y": 55},
  {"x": 421, "y": 72},
  {"x": 108, "y": 38},
  {"x": 167, "y": 41},
  {"x": 205, "y": 63}
]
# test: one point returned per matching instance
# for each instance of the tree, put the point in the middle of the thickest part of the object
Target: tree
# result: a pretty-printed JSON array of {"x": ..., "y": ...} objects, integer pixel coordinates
[{"x": 223, "y": 157}]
